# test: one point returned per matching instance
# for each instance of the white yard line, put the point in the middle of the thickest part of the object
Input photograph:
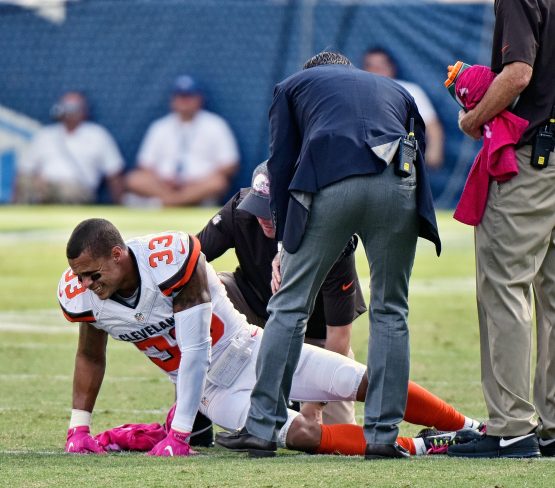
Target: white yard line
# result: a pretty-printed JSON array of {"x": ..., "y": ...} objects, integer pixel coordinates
[
  {"x": 40, "y": 453},
  {"x": 37, "y": 329},
  {"x": 134, "y": 411},
  {"x": 63, "y": 377}
]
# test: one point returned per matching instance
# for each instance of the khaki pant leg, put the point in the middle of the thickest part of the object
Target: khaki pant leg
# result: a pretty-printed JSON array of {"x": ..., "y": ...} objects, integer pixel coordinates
[
  {"x": 544, "y": 293},
  {"x": 511, "y": 242},
  {"x": 236, "y": 297}
]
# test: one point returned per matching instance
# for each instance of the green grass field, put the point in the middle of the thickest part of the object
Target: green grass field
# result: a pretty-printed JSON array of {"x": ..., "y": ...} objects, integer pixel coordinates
[{"x": 37, "y": 349}]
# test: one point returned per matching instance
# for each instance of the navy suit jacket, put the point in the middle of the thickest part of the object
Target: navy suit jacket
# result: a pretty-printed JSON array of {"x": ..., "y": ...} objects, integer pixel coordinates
[{"x": 323, "y": 123}]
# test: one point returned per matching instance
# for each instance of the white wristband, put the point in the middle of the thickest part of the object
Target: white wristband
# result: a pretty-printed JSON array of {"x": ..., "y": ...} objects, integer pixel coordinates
[{"x": 79, "y": 418}]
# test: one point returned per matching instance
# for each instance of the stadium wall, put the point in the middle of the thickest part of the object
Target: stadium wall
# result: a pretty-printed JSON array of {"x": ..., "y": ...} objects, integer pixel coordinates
[{"x": 124, "y": 54}]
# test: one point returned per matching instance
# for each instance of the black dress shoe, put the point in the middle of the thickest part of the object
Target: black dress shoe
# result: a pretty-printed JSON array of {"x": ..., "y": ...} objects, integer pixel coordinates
[
  {"x": 385, "y": 451},
  {"x": 242, "y": 441}
]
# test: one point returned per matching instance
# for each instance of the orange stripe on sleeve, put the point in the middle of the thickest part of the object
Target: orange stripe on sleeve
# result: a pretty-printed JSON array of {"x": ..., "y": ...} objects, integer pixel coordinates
[
  {"x": 189, "y": 269},
  {"x": 86, "y": 318}
]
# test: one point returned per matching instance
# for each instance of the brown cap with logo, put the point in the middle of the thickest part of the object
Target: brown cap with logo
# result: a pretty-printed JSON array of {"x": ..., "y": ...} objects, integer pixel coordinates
[{"x": 257, "y": 202}]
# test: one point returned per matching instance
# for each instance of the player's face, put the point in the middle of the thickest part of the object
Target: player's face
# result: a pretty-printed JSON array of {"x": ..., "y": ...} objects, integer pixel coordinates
[
  {"x": 100, "y": 275},
  {"x": 267, "y": 227}
]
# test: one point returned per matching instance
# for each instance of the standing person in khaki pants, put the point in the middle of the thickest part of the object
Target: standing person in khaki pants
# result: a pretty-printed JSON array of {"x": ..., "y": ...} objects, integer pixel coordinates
[{"x": 515, "y": 242}]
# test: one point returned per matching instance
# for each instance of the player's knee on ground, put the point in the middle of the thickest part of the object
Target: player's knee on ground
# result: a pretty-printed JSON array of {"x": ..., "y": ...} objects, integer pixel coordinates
[{"x": 303, "y": 435}]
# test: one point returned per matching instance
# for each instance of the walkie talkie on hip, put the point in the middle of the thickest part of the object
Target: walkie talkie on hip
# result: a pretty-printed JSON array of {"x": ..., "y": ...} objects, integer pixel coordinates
[
  {"x": 407, "y": 153},
  {"x": 544, "y": 143}
]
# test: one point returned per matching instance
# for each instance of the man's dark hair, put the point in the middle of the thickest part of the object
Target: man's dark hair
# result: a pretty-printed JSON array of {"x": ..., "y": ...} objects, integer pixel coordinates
[
  {"x": 98, "y": 236},
  {"x": 327, "y": 57}
]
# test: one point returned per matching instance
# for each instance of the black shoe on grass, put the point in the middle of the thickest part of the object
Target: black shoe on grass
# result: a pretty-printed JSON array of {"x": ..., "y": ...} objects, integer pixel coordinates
[
  {"x": 547, "y": 447},
  {"x": 490, "y": 446}
]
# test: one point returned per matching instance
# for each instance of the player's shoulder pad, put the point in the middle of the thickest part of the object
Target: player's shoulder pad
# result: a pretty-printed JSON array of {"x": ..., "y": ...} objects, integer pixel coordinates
[
  {"x": 74, "y": 299},
  {"x": 172, "y": 258}
]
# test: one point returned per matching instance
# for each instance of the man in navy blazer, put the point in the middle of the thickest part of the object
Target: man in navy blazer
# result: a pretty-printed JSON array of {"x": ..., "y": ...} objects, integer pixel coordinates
[{"x": 335, "y": 131}]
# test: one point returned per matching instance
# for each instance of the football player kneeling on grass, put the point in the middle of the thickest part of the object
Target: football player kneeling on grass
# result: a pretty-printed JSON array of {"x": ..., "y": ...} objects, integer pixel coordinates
[{"x": 158, "y": 293}]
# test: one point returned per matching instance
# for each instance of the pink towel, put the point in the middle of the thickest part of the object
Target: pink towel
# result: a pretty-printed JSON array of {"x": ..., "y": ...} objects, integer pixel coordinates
[
  {"x": 131, "y": 437},
  {"x": 497, "y": 159}
]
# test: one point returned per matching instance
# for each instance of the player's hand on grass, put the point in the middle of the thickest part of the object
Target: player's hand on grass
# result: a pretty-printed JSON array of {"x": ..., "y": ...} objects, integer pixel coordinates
[
  {"x": 80, "y": 441},
  {"x": 175, "y": 444}
]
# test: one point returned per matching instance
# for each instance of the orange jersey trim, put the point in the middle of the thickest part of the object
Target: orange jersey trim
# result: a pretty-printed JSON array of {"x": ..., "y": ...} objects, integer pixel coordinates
[
  {"x": 187, "y": 269},
  {"x": 86, "y": 316}
]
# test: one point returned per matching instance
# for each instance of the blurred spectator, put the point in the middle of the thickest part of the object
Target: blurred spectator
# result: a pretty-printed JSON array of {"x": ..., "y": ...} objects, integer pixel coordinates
[
  {"x": 66, "y": 161},
  {"x": 380, "y": 62},
  {"x": 188, "y": 156}
]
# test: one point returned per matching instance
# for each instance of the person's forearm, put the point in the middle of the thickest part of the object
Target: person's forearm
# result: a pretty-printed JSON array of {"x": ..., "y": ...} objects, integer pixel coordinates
[
  {"x": 505, "y": 88},
  {"x": 193, "y": 338},
  {"x": 338, "y": 339},
  {"x": 87, "y": 380}
]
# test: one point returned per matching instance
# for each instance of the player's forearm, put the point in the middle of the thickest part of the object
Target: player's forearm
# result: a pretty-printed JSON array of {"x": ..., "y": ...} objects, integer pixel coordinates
[
  {"x": 190, "y": 386},
  {"x": 87, "y": 380},
  {"x": 338, "y": 339},
  {"x": 193, "y": 338},
  {"x": 505, "y": 88}
]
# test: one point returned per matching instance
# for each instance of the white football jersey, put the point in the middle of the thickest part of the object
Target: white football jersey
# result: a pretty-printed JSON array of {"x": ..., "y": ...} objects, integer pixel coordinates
[{"x": 165, "y": 262}]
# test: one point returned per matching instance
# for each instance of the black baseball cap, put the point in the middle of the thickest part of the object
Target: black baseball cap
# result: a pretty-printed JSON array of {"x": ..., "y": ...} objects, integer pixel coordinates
[{"x": 257, "y": 202}]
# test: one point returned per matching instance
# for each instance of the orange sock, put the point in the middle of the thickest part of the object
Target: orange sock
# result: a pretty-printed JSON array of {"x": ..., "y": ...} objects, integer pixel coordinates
[
  {"x": 348, "y": 440},
  {"x": 424, "y": 408}
]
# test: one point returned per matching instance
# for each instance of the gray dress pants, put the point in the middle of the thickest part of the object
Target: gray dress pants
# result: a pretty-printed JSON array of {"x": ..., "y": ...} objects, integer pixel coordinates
[{"x": 381, "y": 209}]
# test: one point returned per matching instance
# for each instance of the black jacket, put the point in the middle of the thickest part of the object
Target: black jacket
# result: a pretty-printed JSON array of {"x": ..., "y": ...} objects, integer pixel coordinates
[{"x": 323, "y": 123}]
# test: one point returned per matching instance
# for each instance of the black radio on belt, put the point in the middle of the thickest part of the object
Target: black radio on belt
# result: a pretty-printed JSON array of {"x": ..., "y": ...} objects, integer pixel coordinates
[
  {"x": 407, "y": 153},
  {"x": 544, "y": 143}
]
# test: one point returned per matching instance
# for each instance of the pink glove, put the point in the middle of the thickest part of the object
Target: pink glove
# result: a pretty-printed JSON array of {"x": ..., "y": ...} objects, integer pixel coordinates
[
  {"x": 80, "y": 441},
  {"x": 175, "y": 444}
]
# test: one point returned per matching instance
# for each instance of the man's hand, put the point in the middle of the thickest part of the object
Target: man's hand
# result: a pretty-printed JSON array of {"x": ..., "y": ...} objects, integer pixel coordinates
[
  {"x": 175, "y": 444},
  {"x": 276, "y": 273},
  {"x": 313, "y": 411},
  {"x": 80, "y": 441},
  {"x": 467, "y": 123}
]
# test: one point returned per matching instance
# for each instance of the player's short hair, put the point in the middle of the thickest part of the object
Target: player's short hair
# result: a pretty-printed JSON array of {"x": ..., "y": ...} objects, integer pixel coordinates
[
  {"x": 327, "y": 57},
  {"x": 98, "y": 236}
]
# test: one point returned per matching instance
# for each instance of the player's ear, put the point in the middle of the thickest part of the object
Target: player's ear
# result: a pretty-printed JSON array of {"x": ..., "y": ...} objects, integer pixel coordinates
[{"x": 117, "y": 253}]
